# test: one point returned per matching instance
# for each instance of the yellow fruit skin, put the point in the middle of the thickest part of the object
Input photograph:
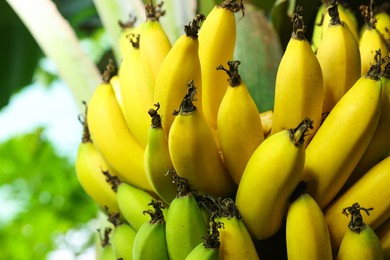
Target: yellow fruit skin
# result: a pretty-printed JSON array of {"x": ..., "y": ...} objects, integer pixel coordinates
[
  {"x": 369, "y": 42},
  {"x": 89, "y": 167},
  {"x": 195, "y": 156},
  {"x": 339, "y": 57},
  {"x": 383, "y": 22},
  {"x": 299, "y": 89},
  {"x": 112, "y": 137},
  {"x": 269, "y": 178},
  {"x": 266, "y": 121},
  {"x": 383, "y": 233},
  {"x": 158, "y": 163},
  {"x": 217, "y": 39},
  {"x": 360, "y": 246},
  {"x": 136, "y": 96},
  {"x": 372, "y": 189},
  {"x": 307, "y": 235},
  {"x": 379, "y": 147},
  {"x": 342, "y": 139},
  {"x": 179, "y": 67},
  {"x": 239, "y": 129},
  {"x": 236, "y": 242}
]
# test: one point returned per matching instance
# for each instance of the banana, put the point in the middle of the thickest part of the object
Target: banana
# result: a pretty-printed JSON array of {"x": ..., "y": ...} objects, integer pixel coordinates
[
  {"x": 266, "y": 121},
  {"x": 343, "y": 137},
  {"x": 157, "y": 159},
  {"x": 217, "y": 39},
  {"x": 193, "y": 151},
  {"x": 383, "y": 233},
  {"x": 106, "y": 251},
  {"x": 112, "y": 138},
  {"x": 150, "y": 242},
  {"x": 89, "y": 167},
  {"x": 360, "y": 240},
  {"x": 275, "y": 166},
  {"x": 135, "y": 91},
  {"x": 299, "y": 90},
  {"x": 128, "y": 27},
  {"x": 379, "y": 146},
  {"x": 122, "y": 237},
  {"x": 115, "y": 83},
  {"x": 383, "y": 24},
  {"x": 370, "y": 40},
  {"x": 307, "y": 234},
  {"x": 185, "y": 226},
  {"x": 372, "y": 189},
  {"x": 339, "y": 57},
  {"x": 209, "y": 248},
  {"x": 239, "y": 126},
  {"x": 179, "y": 66},
  {"x": 234, "y": 237},
  {"x": 132, "y": 201},
  {"x": 155, "y": 43}
]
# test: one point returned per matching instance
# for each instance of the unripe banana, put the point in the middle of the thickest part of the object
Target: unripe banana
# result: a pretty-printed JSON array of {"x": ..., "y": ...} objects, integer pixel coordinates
[
  {"x": 122, "y": 237},
  {"x": 343, "y": 137},
  {"x": 185, "y": 226},
  {"x": 307, "y": 234},
  {"x": 239, "y": 126},
  {"x": 383, "y": 233},
  {"x": 209, "y": 248},
  {"x": 275, "y": 166},
  {"x": 217, "y": 39},
  {"x": 372, "y": 189},
  {"x": 155, "y": 43},
  {"x": 370, "y": 40},
  {"x": 158, "y": 161},
  {"x": 194, "y": 153},
  {"x": 106, "y": 251},
  {"x": 234, "y": 237},
  {"x": 339, "y": 57},
  {"x": 132, "y": 201},
  {"x": 112, "y": 138},
  {"x": 359, "y": 241},
  {"x": 379, "y": 146},
  {"x": 136, "y": 95},
  {"x": 89, "y": 169},
  {"x": 150, "y": 242},
  {"x": 179, "y": 66},
  {"x": 299, "y": 87}
]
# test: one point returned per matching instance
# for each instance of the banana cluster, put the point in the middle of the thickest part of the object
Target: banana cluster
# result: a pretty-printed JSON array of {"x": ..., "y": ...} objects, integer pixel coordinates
[{"x": 178, "y": 156}]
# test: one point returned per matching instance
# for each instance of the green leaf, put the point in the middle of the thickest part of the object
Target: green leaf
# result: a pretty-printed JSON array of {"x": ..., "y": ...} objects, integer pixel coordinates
[{"x": 258, "y": 48}]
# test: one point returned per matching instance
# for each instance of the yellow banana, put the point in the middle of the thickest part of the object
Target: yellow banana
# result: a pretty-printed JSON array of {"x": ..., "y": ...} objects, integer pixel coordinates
[
  {"x": 114, "y": 81},
  {"x": 122, "y": 237},
  {"x": 193, "y": 151},
  {"x": 266, "y": 121},
  {"x": 339, "y": 57},
  {"x": 185, "y": 226},
  {"x": 179, "y": 66},
  {"x": 155, "y": 44},
  {"x": 275, "y": 166},
  {"x": 128, "y": 27},
  {"x": 307, "y": 234},
  {"x": 372, "y": 189},
  {"x": 343, "y": 137},
  {"x": 383, "y": 233},
  {"x": 370, "y": 40},
  {"x": 158, "y": 161},
  {"x": 112, "y": 137},
  {"x": 234, "y": 237},
  {"x": 150, "y": 242},
  {"x": 136, "y": 96},
  {"x": 383, "y": 24},
  {"x": 379, "y": 146},
  {"x": 239, "y": 126},
  {"x": 299, "y": 87},
  {"x": 359, "y": 241},
  {"x": 217, "y": 39},
  {"x": 89, "y": 167},
  {"x": 209, "y": 248}
]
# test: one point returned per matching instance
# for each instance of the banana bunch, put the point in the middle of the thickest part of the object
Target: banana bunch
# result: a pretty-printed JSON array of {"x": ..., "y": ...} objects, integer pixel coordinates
[{"x": 176, "y": 153}]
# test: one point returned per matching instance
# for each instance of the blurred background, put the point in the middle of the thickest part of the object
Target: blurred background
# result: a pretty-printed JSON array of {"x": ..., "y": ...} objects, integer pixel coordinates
[{"x": 44, "y": 213}]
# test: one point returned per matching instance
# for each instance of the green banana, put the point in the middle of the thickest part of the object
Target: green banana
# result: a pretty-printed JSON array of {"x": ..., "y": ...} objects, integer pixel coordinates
[{"x": 122, "y": 237}]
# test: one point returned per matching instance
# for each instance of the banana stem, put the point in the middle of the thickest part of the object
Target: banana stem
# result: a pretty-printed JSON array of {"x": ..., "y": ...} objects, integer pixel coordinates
[
  {"x": 182, "y": 185},
  {"x": 368, "y": 14},
  {"x": 356, "y": 224},
  {"x": 334, "y": 13},
  {"x": 299, "y": 27},
  {"x": 233, "y": 5},
  {"x": 156, "y": 118},
  {"x": 156, "y": 214},
  {"x": 374, "y": 72},
  {"x": 232, "y": 72},
  {"x": 297, "y": 135},
  {"x": 187, "y": 106},
  {"x": 154, "y": 12},
  {"x": 191, "y": 30}
]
